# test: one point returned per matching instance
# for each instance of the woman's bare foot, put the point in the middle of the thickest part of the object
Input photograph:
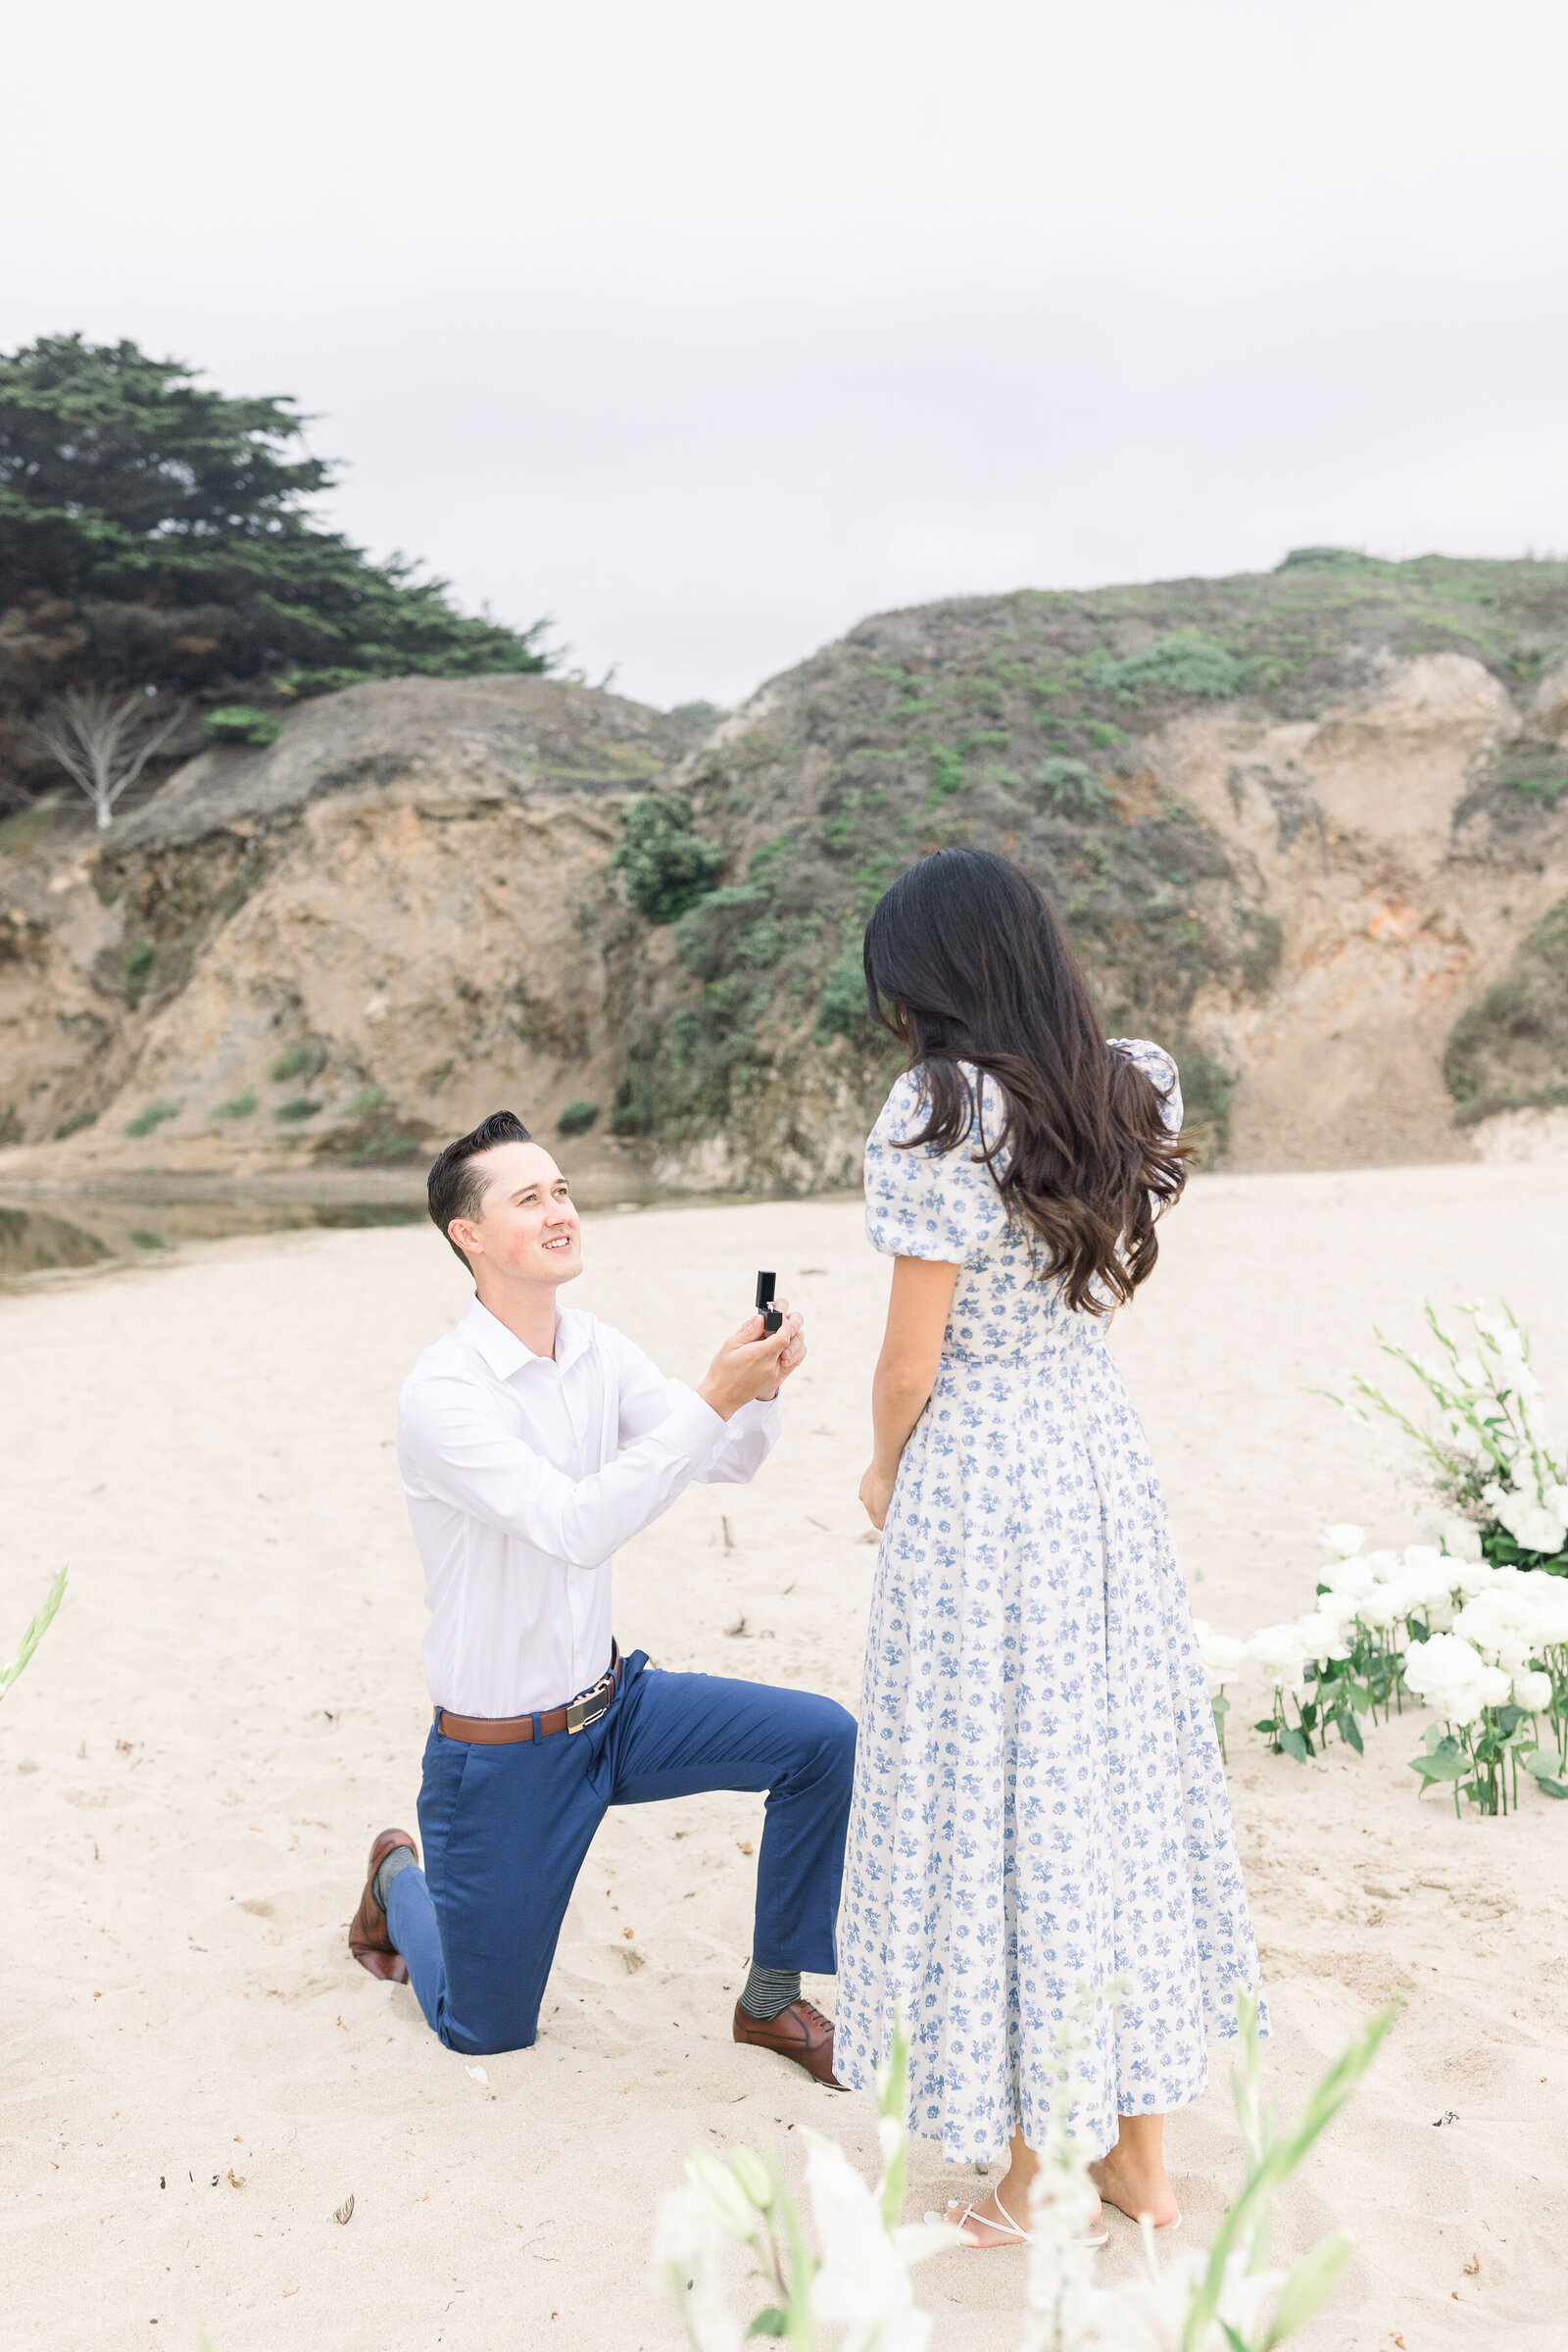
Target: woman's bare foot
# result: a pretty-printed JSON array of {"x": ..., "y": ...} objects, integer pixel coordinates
[
  {"x": 1131, "y": 2177},
  {"x": 977, "y": 2230},
  {"x": 1011, "y": 2200}
]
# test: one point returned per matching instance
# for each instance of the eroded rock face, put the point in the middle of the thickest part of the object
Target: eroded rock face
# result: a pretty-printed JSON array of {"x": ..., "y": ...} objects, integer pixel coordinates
[
  {"x": 1389, "y": 923},
  {"x": 403, "y": 915},
  {"x": 393, "y": 920}
]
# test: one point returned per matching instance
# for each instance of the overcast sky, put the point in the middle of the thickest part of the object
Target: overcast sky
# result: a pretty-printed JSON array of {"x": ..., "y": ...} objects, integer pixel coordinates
[{"x": 706, "y": 328}]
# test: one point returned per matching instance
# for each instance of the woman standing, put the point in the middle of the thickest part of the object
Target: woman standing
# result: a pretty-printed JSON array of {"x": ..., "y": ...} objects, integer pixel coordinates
[{"x": 1039, "y": 1801}]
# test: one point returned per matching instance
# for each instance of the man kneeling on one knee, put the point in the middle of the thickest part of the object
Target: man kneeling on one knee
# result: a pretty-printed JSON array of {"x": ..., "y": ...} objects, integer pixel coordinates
[{"x": 534, "y": 1440}]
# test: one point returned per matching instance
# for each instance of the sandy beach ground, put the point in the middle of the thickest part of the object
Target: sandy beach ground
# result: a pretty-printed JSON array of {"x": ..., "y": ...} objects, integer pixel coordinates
[{"x": 196, "y": 2075}]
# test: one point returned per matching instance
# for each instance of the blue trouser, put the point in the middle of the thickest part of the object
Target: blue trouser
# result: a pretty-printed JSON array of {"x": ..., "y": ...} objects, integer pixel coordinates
[{"x": 506, "y": 1831}]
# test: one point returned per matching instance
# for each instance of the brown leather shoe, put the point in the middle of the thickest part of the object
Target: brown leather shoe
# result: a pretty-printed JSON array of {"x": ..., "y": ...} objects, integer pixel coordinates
[
  {"x": 800, "y": 2031},
  {"x": 373, "y": 1948}
]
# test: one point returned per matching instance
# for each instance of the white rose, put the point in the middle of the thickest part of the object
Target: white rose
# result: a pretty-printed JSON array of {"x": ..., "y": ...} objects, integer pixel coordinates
[
  {"x": 1279, "y": 1655},
  {"x": 1348, "y": 1577},
  {"x": 1472, "y": 1576},
  {"x": 1462, "y": 1539},
  {"x": 1342, "y": 1541},
  {"x": 1420, "y": 1557},
  {"x": 1495, "y": 1687},
  {"x": 1384, "y": 1608},
  {"x": 1323, "y": 1635},
  {"x": 1532, "y": 1690},
  {"x": 1221, "y": 1653},
  {"x": 1441, "y": 1666},
  {"x": 1534, "y": 1528}
]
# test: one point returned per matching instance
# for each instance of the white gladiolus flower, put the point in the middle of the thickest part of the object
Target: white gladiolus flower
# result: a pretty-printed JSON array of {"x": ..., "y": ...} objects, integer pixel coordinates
[
  {"x": 1532, "y": 1690},
  {"x": 1462, "y": 1539},
  {"x": 686, "y": 2240},
  {"x": 1344, "y": 1540},
  {"x": 1149, "y": 2314},
  {"x": 1554, "y": 1498},
  {"x": 1469, "y": 1372},
  {"x": 864, "y": 2284}
]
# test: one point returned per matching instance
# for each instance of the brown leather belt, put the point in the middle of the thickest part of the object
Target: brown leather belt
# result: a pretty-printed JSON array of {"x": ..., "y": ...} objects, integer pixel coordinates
[{"x": 501, "y": 1730}]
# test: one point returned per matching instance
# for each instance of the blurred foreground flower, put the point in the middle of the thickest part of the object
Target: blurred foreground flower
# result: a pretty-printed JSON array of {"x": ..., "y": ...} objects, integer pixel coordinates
[{"x": 1224, "y": 2300}]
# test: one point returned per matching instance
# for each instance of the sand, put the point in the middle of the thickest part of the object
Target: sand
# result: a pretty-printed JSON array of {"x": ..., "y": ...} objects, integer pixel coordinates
[{"x": 230, "y": 1704}]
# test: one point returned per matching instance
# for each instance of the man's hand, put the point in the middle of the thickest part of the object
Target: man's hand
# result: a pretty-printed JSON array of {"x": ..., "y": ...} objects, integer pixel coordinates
[{"x": 753, "y": 1364}]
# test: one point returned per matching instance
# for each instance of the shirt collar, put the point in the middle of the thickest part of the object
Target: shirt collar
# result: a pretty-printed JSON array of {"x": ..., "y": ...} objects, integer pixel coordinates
[{"x": 506, "y": 1353}]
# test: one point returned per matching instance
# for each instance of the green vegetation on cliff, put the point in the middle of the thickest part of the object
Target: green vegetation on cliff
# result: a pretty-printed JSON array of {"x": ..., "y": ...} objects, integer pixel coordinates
[
  {"x": 1019, "y": 723},
  {"x": 1511, "y": 1051}
]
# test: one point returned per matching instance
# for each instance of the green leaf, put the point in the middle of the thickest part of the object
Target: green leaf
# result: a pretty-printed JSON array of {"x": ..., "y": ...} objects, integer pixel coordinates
[
  {"x": 1309, "y": 2286},
  {"x": 771, "y": 2322},
  {"x": 1351, "y": 1731},
  {"x": 1440, "y": 1768},
  {"x": 1295, "y": 1744},
  {"x": 1539, "y": 1768},
  {"x": 33, "y": 1632},
  {"x": 1267, "y": 1725}
]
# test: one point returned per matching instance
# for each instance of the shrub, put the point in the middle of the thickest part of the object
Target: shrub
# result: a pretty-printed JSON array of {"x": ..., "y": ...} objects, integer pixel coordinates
[
  {"x": 1182, "y": 663},
  {"x": 238, "y": 723},
  {"x": 841, "y": 1008},
  {"x": 153, "y": 1116},
  {"x": 725, "y": 929},
  {"x": 301, "y": 1060},
  {"x": 238, "y": 1106},
  {"x": 303, "y": 1107},
  {"x": 138, "y": 961},
  {"x": 577, "y": 1116},
  {"x": 1071, "y": 787},
  {"x": 77, "y": 1120},
  {"x": 667, "y": 863},
  {"x": 368, "y": 1098}
]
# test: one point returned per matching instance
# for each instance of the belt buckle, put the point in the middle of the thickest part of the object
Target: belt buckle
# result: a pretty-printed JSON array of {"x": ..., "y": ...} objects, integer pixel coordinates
[{"x": 579, "y": 1715}]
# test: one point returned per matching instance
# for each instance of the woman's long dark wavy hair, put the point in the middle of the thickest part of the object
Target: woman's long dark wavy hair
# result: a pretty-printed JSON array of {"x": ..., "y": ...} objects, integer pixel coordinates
[{"x": 965, "y": 962}]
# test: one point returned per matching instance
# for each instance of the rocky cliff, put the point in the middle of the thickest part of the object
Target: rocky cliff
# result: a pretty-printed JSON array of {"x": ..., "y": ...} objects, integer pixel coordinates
[{"x": 1308, "y": 828}]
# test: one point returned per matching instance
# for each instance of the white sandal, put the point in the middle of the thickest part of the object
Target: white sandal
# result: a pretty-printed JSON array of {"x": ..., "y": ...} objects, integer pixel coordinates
[{"x": 1012, "y": 2233}]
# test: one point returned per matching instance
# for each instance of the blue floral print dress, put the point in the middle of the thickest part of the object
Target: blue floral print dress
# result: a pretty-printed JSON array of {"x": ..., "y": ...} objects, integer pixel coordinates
[{"x": 1039, "y": 1801}]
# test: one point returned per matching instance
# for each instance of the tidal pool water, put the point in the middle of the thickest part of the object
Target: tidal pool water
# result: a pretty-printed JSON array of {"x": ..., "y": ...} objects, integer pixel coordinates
[{"x": 77, "y": 1233}]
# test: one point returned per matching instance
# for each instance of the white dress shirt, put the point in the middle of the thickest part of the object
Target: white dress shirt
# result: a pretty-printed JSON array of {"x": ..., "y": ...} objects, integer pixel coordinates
[{"x": 523, "y": 1474}]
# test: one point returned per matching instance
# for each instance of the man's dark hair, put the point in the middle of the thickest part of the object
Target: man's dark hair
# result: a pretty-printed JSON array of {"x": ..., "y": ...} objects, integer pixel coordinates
[{"x": 456, "y": 1188}]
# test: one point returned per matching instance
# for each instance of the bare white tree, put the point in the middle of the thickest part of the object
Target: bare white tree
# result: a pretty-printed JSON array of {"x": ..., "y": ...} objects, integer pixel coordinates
[{"x": 103, "y": 744}]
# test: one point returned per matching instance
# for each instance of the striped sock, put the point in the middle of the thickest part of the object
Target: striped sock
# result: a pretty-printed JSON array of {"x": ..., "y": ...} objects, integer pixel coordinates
[{"x": 768, "y": 1990}]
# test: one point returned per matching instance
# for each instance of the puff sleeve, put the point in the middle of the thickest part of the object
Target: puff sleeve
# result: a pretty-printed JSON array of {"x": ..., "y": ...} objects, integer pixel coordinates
[
  {"x": 929, "y": 1202},
  {"x": 1156, "y": 1063}
]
